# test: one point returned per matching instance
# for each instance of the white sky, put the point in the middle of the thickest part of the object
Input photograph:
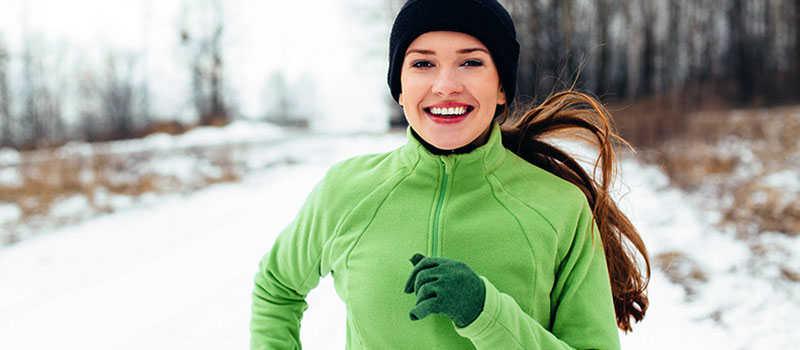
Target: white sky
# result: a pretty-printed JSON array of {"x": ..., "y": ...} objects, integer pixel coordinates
[{"x": 332, "y": 53}]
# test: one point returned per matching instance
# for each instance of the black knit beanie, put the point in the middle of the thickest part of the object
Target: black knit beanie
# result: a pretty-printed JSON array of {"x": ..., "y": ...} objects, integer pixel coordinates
[{"x": 486, "y": 20}]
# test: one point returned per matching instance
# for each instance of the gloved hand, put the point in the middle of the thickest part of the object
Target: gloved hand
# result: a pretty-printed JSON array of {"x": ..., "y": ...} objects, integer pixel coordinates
[{"x": 445, "y": 286}]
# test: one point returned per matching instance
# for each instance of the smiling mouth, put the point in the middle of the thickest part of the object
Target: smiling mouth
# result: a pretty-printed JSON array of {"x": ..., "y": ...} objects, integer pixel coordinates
[{"x": 449, "y": 112}]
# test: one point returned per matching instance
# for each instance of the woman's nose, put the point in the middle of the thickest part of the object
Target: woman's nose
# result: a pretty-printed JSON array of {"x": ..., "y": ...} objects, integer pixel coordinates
[{"x": 447, "y": 83}]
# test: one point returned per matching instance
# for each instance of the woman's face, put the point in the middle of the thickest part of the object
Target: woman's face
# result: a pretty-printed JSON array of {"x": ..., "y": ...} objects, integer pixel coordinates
[{"x": 450, "y": 88}]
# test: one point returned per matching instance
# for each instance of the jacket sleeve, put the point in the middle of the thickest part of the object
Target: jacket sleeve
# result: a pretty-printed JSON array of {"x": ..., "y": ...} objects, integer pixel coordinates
[
  {"x": 287, "y": 273},
  {"x": 582, "y": 310}
]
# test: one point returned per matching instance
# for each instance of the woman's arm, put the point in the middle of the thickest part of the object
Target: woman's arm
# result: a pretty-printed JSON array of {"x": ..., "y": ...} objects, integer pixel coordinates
[
  {"x": 582, "y": 306},
  {"x": 285, "y": 276}
]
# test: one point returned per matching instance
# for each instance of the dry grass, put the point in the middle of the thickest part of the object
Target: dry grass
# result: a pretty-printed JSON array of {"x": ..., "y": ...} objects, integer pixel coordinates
[
  {"x": 47, "y": 177},
  {"x": 682, "y": 270},
  {"x": 790, "y": 275},
  {"x": 649, "y": 121},
  {"x": 731, "y": 156}
]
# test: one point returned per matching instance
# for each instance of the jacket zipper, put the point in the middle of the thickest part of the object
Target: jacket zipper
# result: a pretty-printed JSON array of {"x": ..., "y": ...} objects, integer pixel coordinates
[{"x": 438, "y": 212}]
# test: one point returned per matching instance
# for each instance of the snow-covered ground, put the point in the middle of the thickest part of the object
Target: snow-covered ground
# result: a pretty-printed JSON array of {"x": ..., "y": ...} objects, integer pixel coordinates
[{"x": 176, "y": 272}]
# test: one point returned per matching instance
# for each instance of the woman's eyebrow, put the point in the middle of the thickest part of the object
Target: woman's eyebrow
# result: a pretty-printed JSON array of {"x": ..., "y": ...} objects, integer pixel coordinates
[
  {"x": 471, "y": 50},
  {"x": 462, "y": 51},
  {"x": 420, "y": 51}
]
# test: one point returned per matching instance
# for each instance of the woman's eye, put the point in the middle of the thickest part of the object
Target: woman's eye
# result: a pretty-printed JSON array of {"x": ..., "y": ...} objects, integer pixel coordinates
[
  {"x": 473, "y": 63},
  {"x": 422, "y": 64}
]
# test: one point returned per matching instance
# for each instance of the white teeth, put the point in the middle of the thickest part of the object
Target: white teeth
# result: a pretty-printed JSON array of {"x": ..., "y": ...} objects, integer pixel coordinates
[{"x": 449, "y": 111}]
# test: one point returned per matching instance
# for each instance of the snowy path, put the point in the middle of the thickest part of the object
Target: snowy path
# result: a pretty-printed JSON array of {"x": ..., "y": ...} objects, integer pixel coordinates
[
  {"x": 170, "y": 277},
  {"x": 178, "y": 275}
]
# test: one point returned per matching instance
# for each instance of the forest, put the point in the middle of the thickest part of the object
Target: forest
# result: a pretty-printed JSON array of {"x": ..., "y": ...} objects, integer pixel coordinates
[
  {"x": 677, "y": 56},
  {"x": 741, "y": 52}
]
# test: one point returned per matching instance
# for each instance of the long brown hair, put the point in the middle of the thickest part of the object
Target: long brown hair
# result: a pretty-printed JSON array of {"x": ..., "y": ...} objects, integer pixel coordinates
[{"x": 575, "y": 115}]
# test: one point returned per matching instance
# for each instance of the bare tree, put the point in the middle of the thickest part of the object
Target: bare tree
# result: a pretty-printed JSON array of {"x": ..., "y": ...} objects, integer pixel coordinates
[
  {"x": 278, "y": 98},
  {"x": 112, "y": 103},
  {"x": 557, "y": 55},
  {"x": 796, "y": 20},
  {"x": 118, "y": 96},
  {"x": 145, "y": 114},
  {"x": 92, "y": 127},
  {"x": 603, "y": 13},
  {"x": 203, "y": 42},
  {"x": 739, "y": 54},
  {"x": 648, "y": 53},
  {"x": 41, "y": 116},
  {"x": 796, "y": 51},
  {"x": 672, "y": 42},
  {"x": 6, "y": 139},
  {"x": 526, "y": 17}
]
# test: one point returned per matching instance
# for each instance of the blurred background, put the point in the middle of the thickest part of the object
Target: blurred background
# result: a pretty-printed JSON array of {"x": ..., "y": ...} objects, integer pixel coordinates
[{"x": 146, "y": 145}]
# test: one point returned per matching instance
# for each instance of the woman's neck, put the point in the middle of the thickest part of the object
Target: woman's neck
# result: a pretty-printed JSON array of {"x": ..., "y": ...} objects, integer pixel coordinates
[{"x": 479, "y": 141}]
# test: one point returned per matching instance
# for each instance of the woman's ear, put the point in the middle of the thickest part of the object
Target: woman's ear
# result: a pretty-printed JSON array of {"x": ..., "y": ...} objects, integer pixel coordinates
[
  {"x": 400, "y": 99},
  {"x": 501, "y": 96}
]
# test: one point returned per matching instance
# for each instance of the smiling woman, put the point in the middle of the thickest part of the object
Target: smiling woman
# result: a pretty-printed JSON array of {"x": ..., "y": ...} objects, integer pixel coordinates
[{"x": 512, "y": 245}]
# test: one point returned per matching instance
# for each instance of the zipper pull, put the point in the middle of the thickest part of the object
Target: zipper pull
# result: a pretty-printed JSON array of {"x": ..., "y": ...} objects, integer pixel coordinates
[{"x": 446, "y": 163}]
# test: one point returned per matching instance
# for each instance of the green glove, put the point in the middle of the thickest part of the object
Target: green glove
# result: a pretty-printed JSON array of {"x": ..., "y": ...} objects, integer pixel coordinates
[{"x": 445, "y": 286}]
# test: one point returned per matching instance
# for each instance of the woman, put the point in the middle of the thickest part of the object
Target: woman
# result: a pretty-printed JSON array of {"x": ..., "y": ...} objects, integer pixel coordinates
[{"x": 512, "y": 245}]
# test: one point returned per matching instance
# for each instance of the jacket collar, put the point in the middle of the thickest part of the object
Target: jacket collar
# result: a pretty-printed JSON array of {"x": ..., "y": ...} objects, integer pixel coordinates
[{"x": 481, "y": 161}]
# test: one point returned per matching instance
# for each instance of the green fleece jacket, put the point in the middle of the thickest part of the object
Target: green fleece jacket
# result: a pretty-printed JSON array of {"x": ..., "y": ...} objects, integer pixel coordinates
[{"x": 526, "y": 232}]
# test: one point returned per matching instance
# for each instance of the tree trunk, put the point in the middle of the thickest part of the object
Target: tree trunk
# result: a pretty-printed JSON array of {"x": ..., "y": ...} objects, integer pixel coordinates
[
  {"x": 603, "y": 22},
  {"x": 740, "y": 62},
  {"x": 673, "y": 40},
  {"x": 797, "y": 46},
  {"x": 530, "y": 40},
  {"x": 648, "y": 54},
  {"x": 633, "y": 59},
  {"x": 5, "y": 101}
]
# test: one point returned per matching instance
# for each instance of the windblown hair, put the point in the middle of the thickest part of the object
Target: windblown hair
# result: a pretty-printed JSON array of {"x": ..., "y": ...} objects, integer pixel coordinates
[{"x": 577, "y": 116}]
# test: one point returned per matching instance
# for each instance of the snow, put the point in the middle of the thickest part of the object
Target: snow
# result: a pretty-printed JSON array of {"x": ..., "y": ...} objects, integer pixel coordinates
[
  {"x": 786, "y": 180},
  {"x": 10, "y": 177},
  {"x": 8, "y": 156},
  {"x": 175, "y": 271},
  {"x": 8, "y": 212},
  {"x": 70, "y": 207},
  {"x": 743, "y": 304}
]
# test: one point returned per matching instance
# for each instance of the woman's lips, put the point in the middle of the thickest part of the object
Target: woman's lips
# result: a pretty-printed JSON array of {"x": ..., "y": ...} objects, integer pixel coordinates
[{"x": 448, "y": 119}]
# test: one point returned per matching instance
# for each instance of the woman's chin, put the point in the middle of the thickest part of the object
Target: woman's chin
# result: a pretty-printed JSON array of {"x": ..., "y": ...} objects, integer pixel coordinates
[
  {"x": 449, "y": 144},
  {"x": 450, "y": 138}
]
